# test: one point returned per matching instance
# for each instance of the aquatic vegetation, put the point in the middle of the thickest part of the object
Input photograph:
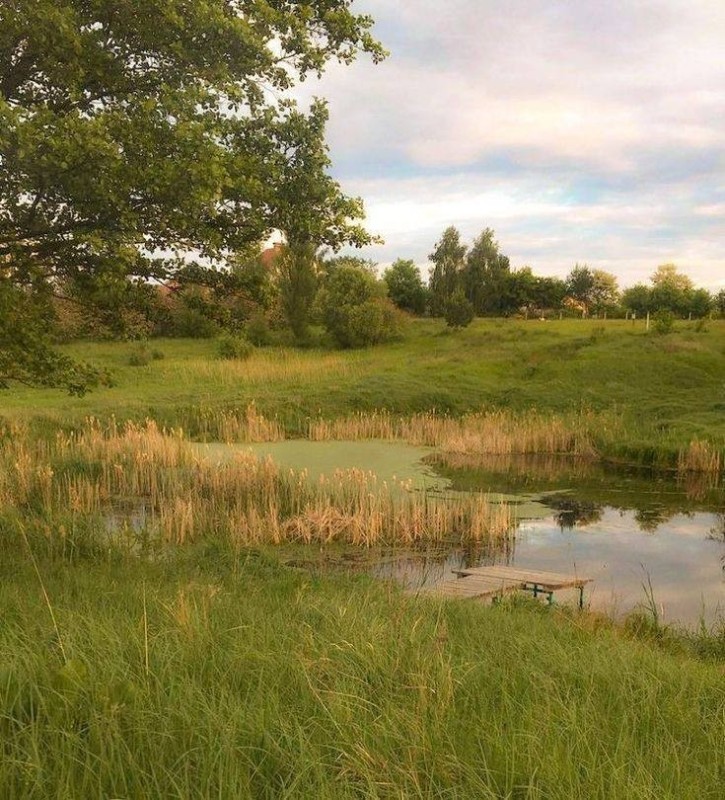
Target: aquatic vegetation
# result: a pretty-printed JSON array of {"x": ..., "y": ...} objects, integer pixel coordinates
[
  {"x": 251, "y": 500},
  {"x": 485, "y": 433},
  {"x": 699, "y": 456}
]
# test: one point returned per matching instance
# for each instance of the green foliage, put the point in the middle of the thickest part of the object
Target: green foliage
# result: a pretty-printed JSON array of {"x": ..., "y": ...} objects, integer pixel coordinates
[
  {"x": 596, "y": 290},
  {"x": 668, "y": 275},
  {"x": 192, "y": 323},
  {"x": 719, "y": 302},
  {"x": 354, "y": 309},
  {"x": 257, "y": 330},
  {"x": 228, "y": 296},
  {"x": 234, "y": 347},
  {"x": 605, "y": 292},
  {"x": 663, "y": 321},
  {"x": 580, "y": 284},
  {"x": 701, "y": 303},
  {"x": 297, "y": 278},
  {"x": 330, "y": 264},
  {"x": 549, "y": 293},
  {"x": 141, "y": 355},
  {"x": 637, "y": 299},
  {"x": 485, "y": 276},
  {"x": 459, "y": 311},
  {"x": 25, "y": 357},
  {"x": 149, "y": 126},
  {"x": 405, "y": 286},
  {"x": 673, "y": 291},
  {"x": 448, "y": 263}
]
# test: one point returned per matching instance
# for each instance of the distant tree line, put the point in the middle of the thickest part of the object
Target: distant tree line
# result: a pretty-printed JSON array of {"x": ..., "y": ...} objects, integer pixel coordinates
[
  {"x": 286, "y": 293},
  {"x": 274, "y": 295},
  {"x": 479, "y": 281}
]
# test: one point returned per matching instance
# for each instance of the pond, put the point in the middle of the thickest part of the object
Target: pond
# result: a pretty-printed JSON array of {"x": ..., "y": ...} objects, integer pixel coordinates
[{"x": 646, "y": 539}]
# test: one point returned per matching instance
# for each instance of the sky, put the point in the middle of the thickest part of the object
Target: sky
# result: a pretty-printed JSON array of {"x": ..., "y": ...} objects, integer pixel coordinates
[{"x": 581, "y": 131}]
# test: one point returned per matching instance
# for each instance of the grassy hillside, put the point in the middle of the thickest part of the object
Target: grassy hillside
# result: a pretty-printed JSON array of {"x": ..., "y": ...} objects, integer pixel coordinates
[{"x": 651, "y": 393}]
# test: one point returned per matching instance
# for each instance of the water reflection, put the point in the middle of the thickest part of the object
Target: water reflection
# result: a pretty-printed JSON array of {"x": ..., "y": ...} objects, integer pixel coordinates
[
  {"x": 683, "y": 562},
  {"x": 571, "y": 512}
]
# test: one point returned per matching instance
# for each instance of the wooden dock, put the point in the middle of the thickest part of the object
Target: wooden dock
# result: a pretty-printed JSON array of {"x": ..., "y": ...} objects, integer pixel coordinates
[{"x": 497, "y": 581}]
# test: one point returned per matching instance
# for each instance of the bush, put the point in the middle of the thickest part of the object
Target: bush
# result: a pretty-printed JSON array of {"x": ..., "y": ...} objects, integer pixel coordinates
[
  {"x": 257, "y": 330},
  {"x": 663, "y": 321},
  {"x": 354, "y": 309},
  {"x": 458, "y": 311},
  {"x": 234, "y": 347},
  {"x": 141, "y": 355},
  {"x": 192, "y": 324}
]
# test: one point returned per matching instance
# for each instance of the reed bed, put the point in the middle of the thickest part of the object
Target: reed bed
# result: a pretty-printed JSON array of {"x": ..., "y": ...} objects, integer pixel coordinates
[
  {"x": 700, "y": 456},
  {"x": 252, "y": 501},
  {"x": 236, "y": 425},
  {"x": 485, "y": 433}
]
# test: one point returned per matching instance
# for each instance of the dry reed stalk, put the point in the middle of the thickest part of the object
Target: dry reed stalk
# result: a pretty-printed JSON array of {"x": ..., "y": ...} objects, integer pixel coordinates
[
  {"x": 490, "y": 433},
  {"x": 252, "y": 499},
  {"x": 238, "y": 425},
  {"x": 700, "y": 456}
]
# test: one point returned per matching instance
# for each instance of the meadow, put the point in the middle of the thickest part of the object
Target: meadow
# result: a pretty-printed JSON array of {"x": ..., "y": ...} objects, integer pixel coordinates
[
  {"x": 641, "y": 397},
  {"x": 161, "y": 639}
]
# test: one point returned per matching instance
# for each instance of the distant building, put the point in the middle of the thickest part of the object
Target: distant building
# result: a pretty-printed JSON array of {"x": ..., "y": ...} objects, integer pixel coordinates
[{"x": 269, "y": 256}]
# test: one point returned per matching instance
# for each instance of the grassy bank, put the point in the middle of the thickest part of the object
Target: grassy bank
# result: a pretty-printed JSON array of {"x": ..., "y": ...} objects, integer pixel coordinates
[
  {"x": 644, "y": 398},
  {"x": 218, "y": 673},
  {"x": 155, "y": 646}
]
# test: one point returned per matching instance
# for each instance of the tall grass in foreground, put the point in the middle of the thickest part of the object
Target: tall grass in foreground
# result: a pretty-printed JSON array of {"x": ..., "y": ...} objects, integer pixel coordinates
[
  {"x": 212, "y": 674},
  {"x": 184, "y": 496}
]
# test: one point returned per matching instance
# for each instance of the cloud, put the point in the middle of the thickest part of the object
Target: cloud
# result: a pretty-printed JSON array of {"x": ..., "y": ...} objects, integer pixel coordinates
[{"x": 577, "y": 129}]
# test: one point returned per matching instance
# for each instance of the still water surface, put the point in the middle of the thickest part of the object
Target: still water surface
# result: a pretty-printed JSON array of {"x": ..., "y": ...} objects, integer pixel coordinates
[
  {"x": 645, "y": 538},
  {"x": 678, "y": 566}
]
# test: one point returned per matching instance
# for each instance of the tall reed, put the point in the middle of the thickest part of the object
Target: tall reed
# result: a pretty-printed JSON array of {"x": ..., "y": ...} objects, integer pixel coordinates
[
  {"x": 485, "y": 433},
  {"x": 700, "y": 456},
  {"x": 187, "y": 496}
]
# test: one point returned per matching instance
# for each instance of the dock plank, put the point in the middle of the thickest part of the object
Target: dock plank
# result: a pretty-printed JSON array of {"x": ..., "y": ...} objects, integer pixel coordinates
[
  {"x": 545, "y": 579},
  {"x": 475, "y": 586}
]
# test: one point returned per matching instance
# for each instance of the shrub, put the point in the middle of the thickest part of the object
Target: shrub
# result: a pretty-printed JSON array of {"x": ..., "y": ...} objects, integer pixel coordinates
[
  {"x": 663, "y": 321},
  {"x": 354, "y": 309},
  {"x": 140, "y": 356},
  {"x": 458, "y": 311},
  {"x": 257, "y": 330},
  {"x": 234, "y": 347},
  {"x": 192, "y": 324}
]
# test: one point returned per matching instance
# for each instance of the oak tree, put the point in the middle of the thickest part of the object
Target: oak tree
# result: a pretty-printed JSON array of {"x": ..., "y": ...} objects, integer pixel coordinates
[{"x": 135, "y": 132}]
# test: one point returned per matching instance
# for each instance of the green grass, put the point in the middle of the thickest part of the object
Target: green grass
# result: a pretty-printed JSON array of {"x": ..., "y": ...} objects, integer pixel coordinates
[
  {"x": 667, "y": 390},
  {"x": 215, "y": 674},
  {"x": 201, "y": 671}
]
